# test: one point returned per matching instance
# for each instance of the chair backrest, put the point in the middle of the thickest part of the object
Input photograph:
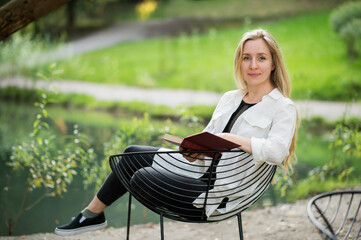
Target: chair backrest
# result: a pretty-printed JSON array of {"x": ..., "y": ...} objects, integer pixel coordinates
[
  {"x": 228, "y": 175},
  {"x": 337, "y": 215}
]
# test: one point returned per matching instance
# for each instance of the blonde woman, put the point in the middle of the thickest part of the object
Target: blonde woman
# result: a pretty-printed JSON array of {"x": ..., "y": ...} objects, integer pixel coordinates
[
  {"x": 259, "y": 116},
  {"x": 261, "y": 76}
]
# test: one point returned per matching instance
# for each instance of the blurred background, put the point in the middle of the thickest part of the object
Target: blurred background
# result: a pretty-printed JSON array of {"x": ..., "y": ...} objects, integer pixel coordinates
[{"x": 54, "y": 145}]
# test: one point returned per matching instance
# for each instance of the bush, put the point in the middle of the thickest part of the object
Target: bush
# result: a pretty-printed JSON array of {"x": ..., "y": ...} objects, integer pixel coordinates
[
  {"x": 343, "y": 168},
  {"x": 47, "y": 165},
  {"x": 346, "y": 21}
]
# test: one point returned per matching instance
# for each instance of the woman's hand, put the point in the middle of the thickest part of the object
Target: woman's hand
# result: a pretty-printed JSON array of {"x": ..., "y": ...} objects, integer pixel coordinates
[{"x": 191, "y": 157}]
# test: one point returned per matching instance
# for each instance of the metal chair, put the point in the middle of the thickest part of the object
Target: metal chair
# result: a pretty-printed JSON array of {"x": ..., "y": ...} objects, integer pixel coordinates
[
  {"x": 215, "y": 172},
  {"x": 336, "y": 215}
]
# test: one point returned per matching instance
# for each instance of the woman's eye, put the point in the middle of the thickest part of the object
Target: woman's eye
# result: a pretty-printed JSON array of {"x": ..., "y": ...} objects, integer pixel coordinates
[
  {"x": 246, "y": 58},
  {"x": 261, "y": 58}
]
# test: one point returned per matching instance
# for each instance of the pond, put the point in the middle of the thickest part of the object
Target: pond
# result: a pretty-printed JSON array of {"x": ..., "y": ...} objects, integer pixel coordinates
[{"x": 15, "y": 125}]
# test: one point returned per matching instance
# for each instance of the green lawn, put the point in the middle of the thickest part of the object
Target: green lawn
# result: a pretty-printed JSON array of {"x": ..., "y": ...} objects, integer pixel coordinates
[{"x": 314, "y": 55}]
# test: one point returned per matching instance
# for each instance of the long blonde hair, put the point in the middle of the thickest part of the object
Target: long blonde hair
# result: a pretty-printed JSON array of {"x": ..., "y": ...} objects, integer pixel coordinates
[{"x": 279, "y": 76}]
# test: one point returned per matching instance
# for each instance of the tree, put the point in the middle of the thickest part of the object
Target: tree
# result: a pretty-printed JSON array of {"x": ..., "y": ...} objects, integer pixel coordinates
[
  {"x": 17, "y": 14},
  {"x": 346, "y": 21}
]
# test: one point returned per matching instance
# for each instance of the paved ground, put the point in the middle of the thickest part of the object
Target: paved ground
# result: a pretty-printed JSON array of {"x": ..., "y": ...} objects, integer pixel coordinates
[
  {"x": 171, "y": 97},
  {"x": 286, "y": 221},
  {"x": 283, "y": 222}
]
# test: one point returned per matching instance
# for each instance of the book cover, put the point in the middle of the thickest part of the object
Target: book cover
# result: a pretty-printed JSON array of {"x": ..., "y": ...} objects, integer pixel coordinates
[{"x": 201, "y": 141}]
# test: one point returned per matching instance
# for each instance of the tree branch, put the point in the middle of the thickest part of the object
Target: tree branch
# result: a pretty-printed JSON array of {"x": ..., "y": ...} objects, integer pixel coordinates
[{"x": 17, "y": 14}]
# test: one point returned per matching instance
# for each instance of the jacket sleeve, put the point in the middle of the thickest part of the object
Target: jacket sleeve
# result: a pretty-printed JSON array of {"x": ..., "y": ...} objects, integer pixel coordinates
[{"x": 275, "y": 148}]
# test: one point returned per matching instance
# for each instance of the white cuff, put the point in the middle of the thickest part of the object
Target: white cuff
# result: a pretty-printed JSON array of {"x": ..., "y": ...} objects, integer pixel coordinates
[{"x": 259, "y": 156}]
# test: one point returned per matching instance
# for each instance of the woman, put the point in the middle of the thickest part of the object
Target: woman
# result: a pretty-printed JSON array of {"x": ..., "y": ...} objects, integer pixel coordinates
[{"x": 259, "y": 116}]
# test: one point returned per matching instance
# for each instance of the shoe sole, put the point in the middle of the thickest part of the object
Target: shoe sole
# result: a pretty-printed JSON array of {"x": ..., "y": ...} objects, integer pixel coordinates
[{"x": 70, "y": 232}]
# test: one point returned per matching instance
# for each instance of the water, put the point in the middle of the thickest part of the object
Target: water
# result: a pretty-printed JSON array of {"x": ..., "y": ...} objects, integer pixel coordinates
[{"x": 15, "y": 125}]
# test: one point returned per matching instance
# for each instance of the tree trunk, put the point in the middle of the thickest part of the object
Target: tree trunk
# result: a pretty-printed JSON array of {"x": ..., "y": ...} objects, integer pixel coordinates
[
  {"x": 71, "y": 17},
  {"x": 351, "y": 50},
  {"x": 16, "y": 14}
]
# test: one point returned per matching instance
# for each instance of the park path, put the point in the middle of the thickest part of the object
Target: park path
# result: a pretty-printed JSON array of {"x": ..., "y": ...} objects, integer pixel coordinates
[
  {"x": 125, "y": 32},
  {"x": 174, "y": 97}
]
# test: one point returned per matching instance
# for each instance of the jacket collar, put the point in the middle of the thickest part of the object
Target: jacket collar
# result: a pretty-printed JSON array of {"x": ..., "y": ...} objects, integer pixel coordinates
[{"x": 275, "y": 94}]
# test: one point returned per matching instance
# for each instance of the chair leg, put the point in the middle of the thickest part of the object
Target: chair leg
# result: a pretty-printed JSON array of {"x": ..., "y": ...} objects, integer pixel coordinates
[
  {"x": 240, "y": 226},
  {"x": 161, "y": 227},
  {"x": 129, "y": 210}
]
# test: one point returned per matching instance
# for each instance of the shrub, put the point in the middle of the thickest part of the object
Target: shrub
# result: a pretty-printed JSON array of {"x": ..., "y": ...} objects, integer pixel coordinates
[
  {"x": 346, "y": 21},
  {"x": 342, "y": 170},
  {"x": 47, "y": 166}
]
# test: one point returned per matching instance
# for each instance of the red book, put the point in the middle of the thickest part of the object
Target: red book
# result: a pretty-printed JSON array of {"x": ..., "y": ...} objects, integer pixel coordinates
[{"x": 202, "y": 141}]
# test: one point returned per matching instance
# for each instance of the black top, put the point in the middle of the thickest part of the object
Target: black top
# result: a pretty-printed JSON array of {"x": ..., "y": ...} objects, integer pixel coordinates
[{"x": 241, "y": 109}]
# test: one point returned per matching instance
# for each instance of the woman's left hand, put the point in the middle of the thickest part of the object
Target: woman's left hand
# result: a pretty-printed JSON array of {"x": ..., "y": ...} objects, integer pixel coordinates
[{"x": 191, "y": 157}]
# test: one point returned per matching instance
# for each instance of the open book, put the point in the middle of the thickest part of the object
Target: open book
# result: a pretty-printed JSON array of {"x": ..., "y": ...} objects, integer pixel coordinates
[{"x": 201, "y": 141}]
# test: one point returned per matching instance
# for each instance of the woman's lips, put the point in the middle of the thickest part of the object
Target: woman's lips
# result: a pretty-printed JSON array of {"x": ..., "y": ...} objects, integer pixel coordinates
[{"x": 254, "y": 74}]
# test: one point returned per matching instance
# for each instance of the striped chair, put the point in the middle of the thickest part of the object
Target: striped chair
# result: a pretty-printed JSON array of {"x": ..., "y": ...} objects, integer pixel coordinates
[
  {"x": 223, "y": 185},
  {"x": 337, "y": 215}
]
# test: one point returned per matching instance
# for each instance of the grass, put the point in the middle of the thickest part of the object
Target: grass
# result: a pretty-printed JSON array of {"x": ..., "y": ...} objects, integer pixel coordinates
[
  {"x": 316, "y": 59},
  {"x": 314, "y": 55}
]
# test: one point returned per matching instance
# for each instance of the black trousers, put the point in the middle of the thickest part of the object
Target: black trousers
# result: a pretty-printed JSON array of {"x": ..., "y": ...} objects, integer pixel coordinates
[{"x": 158, "y": 188}]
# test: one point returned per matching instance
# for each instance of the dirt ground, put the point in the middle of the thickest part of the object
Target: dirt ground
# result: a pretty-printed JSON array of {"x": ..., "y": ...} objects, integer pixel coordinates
[{"x": 282, "y": 222}]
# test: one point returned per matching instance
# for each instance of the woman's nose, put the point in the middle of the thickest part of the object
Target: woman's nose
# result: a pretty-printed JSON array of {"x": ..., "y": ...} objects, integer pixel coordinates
[{"x": 254, "y": 64}]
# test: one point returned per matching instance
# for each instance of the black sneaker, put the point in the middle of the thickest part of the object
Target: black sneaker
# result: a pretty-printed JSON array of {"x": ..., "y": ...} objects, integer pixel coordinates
[{"x": 81, "y": 224}]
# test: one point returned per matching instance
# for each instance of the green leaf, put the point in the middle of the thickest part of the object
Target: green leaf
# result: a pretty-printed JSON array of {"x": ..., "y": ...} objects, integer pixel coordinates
[{"x": 45, "y": 113}]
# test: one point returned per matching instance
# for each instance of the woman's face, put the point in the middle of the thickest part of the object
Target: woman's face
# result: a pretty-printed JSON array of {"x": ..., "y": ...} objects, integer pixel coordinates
[{"x": 256, "y": 64}]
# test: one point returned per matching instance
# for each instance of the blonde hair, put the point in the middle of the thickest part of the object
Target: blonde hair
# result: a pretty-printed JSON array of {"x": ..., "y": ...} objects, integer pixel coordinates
[{"x": 279, "y": 76}]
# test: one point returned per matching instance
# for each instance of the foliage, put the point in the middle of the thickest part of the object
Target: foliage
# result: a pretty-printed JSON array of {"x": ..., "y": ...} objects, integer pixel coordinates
[
  {"x": 341, "y": 170},
  {"x": 47, "y": 165},
  {"x": 345, "y": 145},
  {"x": 282, "y": 181},
  {"x": 20, "y": 52},
  {"x": 346, "y": 21},
  {"x": 139, "y": 132}
]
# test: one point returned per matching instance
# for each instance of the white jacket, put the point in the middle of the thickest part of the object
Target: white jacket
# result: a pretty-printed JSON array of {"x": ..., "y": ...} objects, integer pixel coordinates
[{"x": 270, "y": 124}]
